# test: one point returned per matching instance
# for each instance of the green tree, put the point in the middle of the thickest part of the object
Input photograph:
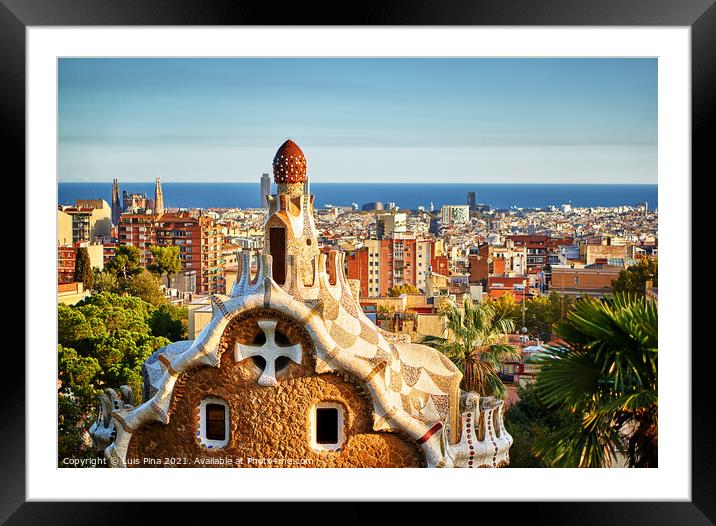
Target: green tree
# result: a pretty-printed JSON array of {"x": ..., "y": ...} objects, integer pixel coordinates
[
  {"x": 103, "y": 341},
  {"x": 605, "y": 377},
  {"x": 105, "y": 281},
  {"x": 560, "y": 305},
  {"x": 477, "y": 345},
  {"x": 632, "y": 280},
  {"x": 506, "y": 306},
  {"x": 100, "y": 314},
  {"x": 543, "y": 312},
  {"x": 405, "y": 288},
  {"x": 538, "y": 316},
  {"x": 72, "y": 325},
  {"x": 75, "y": 398},
  {"x": 170, "y": 322},
  {"x": 126, "y": 262},
  {"x": 146, "y": 286},
  {"x": 76, "y": 373},
  {"x": 83, "y": 268},
  {"x": 529, "y": 422},
  {"x": 166, "y": 261},
  {"x": 121, "y": 355}
]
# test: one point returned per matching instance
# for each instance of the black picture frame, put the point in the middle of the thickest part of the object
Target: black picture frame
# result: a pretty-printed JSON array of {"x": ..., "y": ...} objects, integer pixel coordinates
[{"x": 699, "y": 15}]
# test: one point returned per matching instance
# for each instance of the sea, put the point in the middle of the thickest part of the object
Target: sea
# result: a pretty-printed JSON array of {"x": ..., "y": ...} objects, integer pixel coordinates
[{"x": 406, "y": 196}]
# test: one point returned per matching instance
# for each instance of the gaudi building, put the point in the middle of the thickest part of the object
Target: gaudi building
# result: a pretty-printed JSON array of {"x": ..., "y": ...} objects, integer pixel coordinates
[{"x": 290, "y": 370}]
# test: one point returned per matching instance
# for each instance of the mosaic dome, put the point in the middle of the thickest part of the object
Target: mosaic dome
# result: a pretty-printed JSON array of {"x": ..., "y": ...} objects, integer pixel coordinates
[{"x": 289, "y": 164}]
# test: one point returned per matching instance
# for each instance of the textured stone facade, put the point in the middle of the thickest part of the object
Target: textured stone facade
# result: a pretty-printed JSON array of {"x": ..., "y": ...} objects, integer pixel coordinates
[{"x": 283, "y": 432}]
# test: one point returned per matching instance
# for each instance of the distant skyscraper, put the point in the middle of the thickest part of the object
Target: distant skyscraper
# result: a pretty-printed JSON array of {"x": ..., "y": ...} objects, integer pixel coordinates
[
  {"x": 472, "y": 201},
  {"x": 158, "y": 198},
  {"x": 116, "y": 203},
  {"x": 265, "y": 189}
]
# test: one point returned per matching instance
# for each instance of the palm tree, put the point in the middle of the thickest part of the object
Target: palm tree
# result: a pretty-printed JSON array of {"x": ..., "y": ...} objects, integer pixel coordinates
[
  {"x": 604, "y": 377},
  {"x": 477, "y": 346}
]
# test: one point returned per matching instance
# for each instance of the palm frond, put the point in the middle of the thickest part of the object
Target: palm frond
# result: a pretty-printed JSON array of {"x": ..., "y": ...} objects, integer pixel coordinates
[
  {"x": 606, "y": 371},
  {"x": 583, "y": 444},
  {"x": 477, "y": 344}
]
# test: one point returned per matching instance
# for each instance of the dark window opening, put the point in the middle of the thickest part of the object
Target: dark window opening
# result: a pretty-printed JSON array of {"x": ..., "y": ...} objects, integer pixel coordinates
[
  {"x": 277, "y": 243},
  {"x": 215, "y": 422},
  {"x": 281, "y": 363},
  {"x": 281, "y": 339},
  {"x": 259, "y": 361},
  {"x": 326, "y": 425}
]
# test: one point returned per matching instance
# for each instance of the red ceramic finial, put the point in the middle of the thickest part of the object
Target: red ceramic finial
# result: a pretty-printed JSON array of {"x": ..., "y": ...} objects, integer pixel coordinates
[{"x": 289, "y": 164}]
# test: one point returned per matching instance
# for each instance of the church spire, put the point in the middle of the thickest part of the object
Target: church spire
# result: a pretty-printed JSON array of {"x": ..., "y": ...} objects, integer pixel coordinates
[
  {"x": 158, "y": 198},
  {"x": 116, "y": 203}
]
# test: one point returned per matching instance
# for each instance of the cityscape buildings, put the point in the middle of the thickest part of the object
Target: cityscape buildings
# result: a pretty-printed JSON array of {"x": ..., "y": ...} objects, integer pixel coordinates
[
  {"x": 390, "y": 223},
  {"x": 455, "y": 214},
  {"x": 86, "y": 220},
  {"x": 293, "y": 331},
  {"x": 198, "y": 237},
  {"x": 449, "y": 254},
  {"x": 300, "y": 335},
  {"x": 386, "y": 249},
  {"x": 136, "y": 203}
]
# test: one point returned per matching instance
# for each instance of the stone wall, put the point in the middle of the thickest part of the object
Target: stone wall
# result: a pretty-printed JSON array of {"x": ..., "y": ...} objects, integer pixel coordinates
[{"x": 271, "y": 422}]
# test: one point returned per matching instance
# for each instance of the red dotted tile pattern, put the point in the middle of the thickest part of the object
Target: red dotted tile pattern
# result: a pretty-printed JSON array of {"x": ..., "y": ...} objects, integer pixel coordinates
[{"x": 289, "y": 164}]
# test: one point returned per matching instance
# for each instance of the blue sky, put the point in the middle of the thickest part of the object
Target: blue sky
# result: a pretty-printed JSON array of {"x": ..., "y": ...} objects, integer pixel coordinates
[{"x": 360, "y": 120}]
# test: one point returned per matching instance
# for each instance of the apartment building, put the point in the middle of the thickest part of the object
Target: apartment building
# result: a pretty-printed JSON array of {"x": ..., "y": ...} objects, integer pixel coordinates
[
  {"x": 199, "y": 238},
  {"x": 382, "y": 264},
  {"x": 536, "y": 247},
  {"x": 591, "y": 280},
  {"x": 87, "y": 220}
]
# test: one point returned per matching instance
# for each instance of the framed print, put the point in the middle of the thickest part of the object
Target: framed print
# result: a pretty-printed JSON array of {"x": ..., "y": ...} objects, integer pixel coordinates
[{"x": 426, "y": 241}]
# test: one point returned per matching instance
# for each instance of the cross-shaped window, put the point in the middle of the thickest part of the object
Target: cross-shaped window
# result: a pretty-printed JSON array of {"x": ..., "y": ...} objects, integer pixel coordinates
[{"x": 270, "y": 351}]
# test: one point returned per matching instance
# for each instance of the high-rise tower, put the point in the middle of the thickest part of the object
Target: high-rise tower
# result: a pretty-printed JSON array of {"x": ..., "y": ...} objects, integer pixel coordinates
[
  {"x": 265, "y": 190},
  {"x": 158, "y": 198},
  {"x": 116, "y": 203},
  {"x": 472, "y": 201}
]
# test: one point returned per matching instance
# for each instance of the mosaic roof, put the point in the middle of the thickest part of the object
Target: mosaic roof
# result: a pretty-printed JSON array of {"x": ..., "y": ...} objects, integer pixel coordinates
[{"x": 289, "y": 164}]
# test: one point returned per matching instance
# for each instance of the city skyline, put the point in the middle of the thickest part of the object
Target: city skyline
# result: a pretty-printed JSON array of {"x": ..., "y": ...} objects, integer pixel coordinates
[
  {"x": 349, "y": 287},
  {"x": 568, "y": 121}
]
